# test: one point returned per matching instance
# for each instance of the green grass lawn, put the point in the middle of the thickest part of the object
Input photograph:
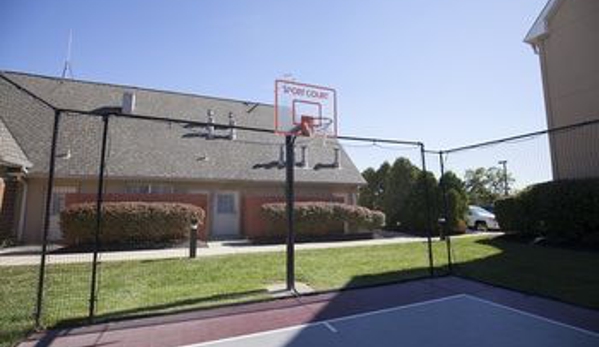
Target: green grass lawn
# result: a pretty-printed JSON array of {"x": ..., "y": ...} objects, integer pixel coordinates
[{"x": 152, "y": 286}]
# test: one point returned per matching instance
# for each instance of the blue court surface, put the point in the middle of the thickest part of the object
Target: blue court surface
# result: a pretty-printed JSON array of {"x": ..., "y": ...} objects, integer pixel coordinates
[{"x": 460, "y": 321}]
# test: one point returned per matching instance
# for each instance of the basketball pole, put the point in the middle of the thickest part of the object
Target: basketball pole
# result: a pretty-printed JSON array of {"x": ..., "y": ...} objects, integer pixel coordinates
[{"x": 290, "y": 195}]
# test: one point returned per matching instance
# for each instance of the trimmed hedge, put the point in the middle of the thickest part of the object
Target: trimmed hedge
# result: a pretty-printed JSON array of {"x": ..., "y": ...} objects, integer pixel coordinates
[
  {"x": 129, "y": 222},
  {"x": 561, "y": 211},
  {"x": 320, "y": 218}
]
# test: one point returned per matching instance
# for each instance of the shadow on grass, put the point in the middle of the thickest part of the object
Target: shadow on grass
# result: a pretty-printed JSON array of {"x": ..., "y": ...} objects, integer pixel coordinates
[
  {"x": 179, "y": 306},
  {"x": 560, "y": 274},
  {"x": 185, "y": 310}
]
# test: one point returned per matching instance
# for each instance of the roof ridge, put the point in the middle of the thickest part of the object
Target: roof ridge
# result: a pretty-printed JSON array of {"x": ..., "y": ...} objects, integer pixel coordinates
[
  {"x": 27, "y": 162},
  {"x": 156, "y": 90}
]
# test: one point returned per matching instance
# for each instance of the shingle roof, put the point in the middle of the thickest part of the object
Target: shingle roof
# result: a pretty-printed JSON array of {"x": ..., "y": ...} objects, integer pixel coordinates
[
  {"x": 10, "y": 153},
  {"x": 157, "y": 149}
]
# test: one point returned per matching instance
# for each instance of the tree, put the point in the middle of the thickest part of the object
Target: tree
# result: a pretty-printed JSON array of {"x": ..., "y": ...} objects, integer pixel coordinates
[
  {"x": 399, "y": 183},
  {"x": 421, "y": 210},
  {"x": 485, "y": 185},
  {"x": 371, "y": 195},
  {"x": 455, "y": 197}
]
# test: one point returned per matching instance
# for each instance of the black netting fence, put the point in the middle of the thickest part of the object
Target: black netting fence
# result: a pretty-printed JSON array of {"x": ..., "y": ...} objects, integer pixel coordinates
[{"x": 194, "y": 211}]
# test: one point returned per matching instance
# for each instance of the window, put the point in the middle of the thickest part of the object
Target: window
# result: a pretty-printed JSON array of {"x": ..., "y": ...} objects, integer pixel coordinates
[
  {"x": 58, "y": 204},
  {"x": 225, "y": 203},
  {"x": 146, "y": 188},
  {"x": 138, "y": 188},
  {"x": 161, "y": 189}
]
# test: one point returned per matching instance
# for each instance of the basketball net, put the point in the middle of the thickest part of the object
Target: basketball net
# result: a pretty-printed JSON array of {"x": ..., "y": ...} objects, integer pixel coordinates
[{"x": 310, "y": 128}]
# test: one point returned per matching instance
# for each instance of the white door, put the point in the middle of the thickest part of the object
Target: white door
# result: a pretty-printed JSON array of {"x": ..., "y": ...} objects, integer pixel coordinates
[
  {"x": 225, "y": 221},
  {"x": 58, "y": 204}
]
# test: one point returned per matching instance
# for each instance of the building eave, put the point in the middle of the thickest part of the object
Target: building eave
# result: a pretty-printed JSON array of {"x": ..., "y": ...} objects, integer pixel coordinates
[{"x": 540, "y": 30}]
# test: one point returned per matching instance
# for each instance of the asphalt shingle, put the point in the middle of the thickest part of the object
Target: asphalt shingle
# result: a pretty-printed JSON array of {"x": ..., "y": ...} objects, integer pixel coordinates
[
  {"x": 11, "y": 154},
  {"x": 160, "y": 150}
]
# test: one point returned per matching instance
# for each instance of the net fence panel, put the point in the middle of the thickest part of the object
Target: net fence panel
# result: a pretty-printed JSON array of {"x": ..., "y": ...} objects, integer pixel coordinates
[
  {"x": 19, "y": 277},
  {"x": 344, "y": 246},
  {"x": 69, "y": 260},
  {"x": 503, "y": 170},
  {"x": 445, "y": 225},
  {"x": 147, "y": 268}
]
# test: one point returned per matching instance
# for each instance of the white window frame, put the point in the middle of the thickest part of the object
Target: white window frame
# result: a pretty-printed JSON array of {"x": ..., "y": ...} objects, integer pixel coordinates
[{"x": 149, "y": 188}]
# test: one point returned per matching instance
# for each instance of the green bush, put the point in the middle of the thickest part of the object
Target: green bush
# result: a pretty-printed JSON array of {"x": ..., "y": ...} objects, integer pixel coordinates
[
  {"x": 318, "y": 218},
  {"x": 561, "y": 211},
  {"x": 129, "y": 222},
  {"x": 509, "y": 214}
]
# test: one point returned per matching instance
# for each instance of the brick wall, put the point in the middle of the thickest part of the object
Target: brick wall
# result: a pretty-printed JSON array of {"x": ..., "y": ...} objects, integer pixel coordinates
[
  {"x": 255, "y": 225},
  {"x": 8, "y": 202},
  {"x": 200, "y": 200}
]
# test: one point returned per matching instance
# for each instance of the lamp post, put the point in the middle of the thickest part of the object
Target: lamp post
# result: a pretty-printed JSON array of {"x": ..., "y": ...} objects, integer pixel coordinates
[{"x": 506, "y": 188}]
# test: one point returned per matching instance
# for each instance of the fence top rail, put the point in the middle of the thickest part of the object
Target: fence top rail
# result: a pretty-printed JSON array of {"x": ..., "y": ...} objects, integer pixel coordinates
[
  {"x": 230, "y": 126},
  {"x": 272, "y": 131},
  {"x": 519, "y": 137}
]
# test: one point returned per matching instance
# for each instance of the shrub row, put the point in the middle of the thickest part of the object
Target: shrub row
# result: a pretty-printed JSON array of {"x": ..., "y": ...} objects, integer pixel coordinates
[
  {"x": 129, "y": 222},
  {"x": 561, "y": 211},
  {"x": 315, "y": 218}
]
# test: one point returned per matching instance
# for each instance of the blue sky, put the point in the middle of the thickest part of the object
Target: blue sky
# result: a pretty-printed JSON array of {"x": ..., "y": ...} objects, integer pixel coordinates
[{"x": 443, "y": 72}]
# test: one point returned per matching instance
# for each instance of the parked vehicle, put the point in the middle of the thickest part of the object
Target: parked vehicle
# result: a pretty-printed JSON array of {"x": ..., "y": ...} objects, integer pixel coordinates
[{"x": 480, "y": 219}]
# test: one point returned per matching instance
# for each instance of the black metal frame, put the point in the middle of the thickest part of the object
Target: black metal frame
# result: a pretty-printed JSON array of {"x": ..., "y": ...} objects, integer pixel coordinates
[
  {"x": 446, "y": 231},
  {"x": 107, "y": 112},
  {"x": 290, "y": 204},
  {"x": 98, "y": 232},
  {"x": 50, "y": 183}
]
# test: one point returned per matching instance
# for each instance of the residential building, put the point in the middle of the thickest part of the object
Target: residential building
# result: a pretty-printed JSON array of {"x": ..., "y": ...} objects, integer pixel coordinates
[
  {"x": 229, "y": 173},
  {"x": 566, "y": 38}
]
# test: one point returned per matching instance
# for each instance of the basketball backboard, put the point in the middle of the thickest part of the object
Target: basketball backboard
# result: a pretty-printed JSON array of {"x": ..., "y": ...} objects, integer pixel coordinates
[{"x": 302, "y": 108}]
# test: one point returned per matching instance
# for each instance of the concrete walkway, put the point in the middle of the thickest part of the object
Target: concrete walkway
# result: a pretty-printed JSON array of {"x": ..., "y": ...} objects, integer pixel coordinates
[{"x": 29, "y": 255}]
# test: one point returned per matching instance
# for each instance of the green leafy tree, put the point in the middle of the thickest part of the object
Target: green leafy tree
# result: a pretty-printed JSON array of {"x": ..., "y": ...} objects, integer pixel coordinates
[
  {"x": 421, "y": 210},
  {"x": 371, "y": 195},
  {"x": 399, "y": 182},
  {"x": 485, "y": 185},
  {"x": 456, "y": 199},
  {"x": 399, "y": 190}
]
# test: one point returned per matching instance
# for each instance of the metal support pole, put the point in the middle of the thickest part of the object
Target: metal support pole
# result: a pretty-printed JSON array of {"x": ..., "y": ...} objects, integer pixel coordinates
[
  {"x": 289, "y": 166},
  {"x": 506, "y": 189},
  {"x": 428, "y": 213},
  {"x": 50, "y": 186},
  {"x": 445, "y": 213},
  {"x": 193, "y": 239},
  {"x": 99, "y": 201}
]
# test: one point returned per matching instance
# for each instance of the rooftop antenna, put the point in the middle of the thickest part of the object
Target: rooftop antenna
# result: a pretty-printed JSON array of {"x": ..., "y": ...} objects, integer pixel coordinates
[
  {"x": 67, "y": 69},
  {"x": 288, "y": 76}
]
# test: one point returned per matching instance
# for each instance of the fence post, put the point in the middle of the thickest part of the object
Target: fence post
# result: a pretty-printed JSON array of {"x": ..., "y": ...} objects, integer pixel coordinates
[
  {"x": 289, "y": 192},
  {"x": 50, "y": 186},
  {"x": 428, "y": 212},
  {"x": 445, "y": 212},
  {"x": 193, "y": 239},
  {"x": 99, "y": 201}
]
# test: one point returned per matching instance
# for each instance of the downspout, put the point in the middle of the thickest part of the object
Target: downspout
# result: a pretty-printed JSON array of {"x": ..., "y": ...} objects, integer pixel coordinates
[{"x": 22, "y": 211}]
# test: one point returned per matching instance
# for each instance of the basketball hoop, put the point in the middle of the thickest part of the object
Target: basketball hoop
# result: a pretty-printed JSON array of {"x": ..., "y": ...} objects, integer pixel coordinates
[
  {"x": 315, "y": 127},
  {"x": 305, "y": 109},
  {"x": 307, "y": 126}
]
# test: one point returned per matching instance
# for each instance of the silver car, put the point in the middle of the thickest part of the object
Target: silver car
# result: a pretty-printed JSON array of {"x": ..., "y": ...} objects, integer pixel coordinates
[{"x": 480, "y": 219}]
